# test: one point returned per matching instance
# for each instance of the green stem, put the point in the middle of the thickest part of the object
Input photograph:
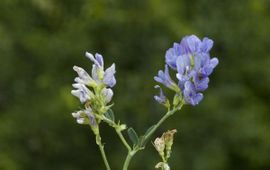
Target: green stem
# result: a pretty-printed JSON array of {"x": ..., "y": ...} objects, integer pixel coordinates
[
  {"x": 101, "y": 148},
  {"x": 123, "y": 139},
  {"x": 128, "y": 158},
  {"x": 152, "y": 131}
]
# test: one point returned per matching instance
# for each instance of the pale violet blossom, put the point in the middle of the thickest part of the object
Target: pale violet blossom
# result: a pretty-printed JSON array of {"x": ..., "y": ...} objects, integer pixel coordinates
[
  {"x": 82, "y": 92},
  {"x": 107, "y": 94},
  {"x": 109, "y": 78},
  {"x": 161, "y": 98},
  {"x": 98, "y": 74},
  {"x": 85, "y": 117}
]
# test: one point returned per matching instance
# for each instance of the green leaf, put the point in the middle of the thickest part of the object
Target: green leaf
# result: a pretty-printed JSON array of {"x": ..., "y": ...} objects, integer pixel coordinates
[
  {"x": 110, "y": 115},
  {"x": 143, "y": 140},
  {"x": 133, "y": 136}
]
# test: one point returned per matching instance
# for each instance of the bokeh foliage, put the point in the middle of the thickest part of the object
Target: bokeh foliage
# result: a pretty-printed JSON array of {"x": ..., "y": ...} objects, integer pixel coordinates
[{"x": 40, "y": 41}]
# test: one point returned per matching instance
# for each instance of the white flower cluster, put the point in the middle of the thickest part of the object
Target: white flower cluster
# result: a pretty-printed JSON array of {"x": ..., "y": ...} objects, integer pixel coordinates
[{"x": 94, "y": 91}]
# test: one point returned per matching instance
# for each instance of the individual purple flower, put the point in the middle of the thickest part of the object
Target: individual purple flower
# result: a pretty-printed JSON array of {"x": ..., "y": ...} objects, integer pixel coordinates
[
  {"x": 190, "y": 44},
  {"x": 209, "y": 66},
  {"x": 200, "y": 82},
  {"x": 190, "y": 94},
  {"x": 172, "y": 54},
  {"x": 184, "y": 70},
  {"x": 206, "y": 45},
  {"x": 161, "y": 98},
  {"x": 164, "y": 78},
  {"x": 204, "y": 64}
]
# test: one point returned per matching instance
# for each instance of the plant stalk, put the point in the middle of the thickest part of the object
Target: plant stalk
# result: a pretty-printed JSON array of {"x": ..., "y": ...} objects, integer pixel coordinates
[
  {"x": 123, "y": 140},
  {"x": 101, "y": 148},
  {"x": 128, "y": 158}
]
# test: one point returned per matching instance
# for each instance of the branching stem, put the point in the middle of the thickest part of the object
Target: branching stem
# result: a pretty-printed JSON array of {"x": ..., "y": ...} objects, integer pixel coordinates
[{"x": 146, "y": 138}]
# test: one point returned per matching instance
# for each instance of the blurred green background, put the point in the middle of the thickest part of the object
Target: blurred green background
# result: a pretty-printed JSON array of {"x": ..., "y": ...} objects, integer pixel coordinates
[{"x": 40, "y": 41}]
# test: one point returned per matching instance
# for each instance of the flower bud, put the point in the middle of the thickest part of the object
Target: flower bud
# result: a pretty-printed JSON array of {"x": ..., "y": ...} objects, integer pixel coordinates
[
  {"x": 162, "y": 165},
  {"x": 159, "y": 144},
  {"x": 168, "y": 139},
  {"x": 107, "y": 94}
]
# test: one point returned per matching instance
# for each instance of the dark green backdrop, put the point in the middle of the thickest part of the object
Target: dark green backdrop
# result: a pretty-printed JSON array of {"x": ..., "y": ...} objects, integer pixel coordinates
[{"x": 40, "y": 41}]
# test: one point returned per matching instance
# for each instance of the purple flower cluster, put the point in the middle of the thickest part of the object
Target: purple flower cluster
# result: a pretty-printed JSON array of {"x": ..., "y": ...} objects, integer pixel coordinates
[{"x": 191, "y": 59}]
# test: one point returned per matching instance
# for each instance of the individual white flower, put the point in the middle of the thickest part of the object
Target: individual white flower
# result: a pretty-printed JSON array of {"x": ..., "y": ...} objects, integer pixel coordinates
[
  {"x": 98, "y": 73},
  {"x": 80, "y": 117},
  {"x": 82, "y": 92},
  {"x": 85, "y": 117},
  {"x": 84, "y": 77}
]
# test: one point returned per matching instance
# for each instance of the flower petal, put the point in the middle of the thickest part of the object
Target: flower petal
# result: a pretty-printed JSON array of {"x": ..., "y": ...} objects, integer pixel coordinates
[{"x": 99, "y": 59}]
